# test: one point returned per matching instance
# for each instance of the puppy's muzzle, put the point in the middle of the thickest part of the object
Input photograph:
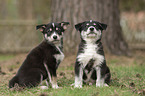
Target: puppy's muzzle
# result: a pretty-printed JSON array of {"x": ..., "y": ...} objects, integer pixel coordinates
[
  {"x": 92, "y": 29},
  {"x": 55, "y": 37}
]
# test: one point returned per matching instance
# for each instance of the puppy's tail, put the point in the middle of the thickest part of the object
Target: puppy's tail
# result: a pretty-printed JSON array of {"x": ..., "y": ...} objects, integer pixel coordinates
[{"x": 13, "y": 81}]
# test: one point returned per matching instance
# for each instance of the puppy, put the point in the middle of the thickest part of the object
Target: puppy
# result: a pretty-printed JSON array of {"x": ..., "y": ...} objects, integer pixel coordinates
[
  {"x": 42, "y": 62},
  {"x": 90, "y": 63}
]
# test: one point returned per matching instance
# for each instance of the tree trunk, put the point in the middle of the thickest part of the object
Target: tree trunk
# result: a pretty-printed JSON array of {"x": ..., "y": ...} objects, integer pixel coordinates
[{"x": 105, "y": 11}]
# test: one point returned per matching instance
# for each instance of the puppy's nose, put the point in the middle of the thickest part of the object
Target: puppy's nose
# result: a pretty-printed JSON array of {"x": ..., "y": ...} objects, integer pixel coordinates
[
  {"x": 92, "y": 29},
  {"x": 55, "y": 37}
]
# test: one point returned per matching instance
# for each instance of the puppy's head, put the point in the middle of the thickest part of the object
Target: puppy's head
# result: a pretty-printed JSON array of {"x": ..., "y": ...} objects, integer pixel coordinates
[
  {"x": 53, "y": 32},
  {"x": 91, "y": 30}
]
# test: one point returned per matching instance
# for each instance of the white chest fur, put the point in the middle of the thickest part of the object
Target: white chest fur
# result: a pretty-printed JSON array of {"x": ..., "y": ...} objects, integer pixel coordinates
[
  {"x": 90, "y": 52},
  {"x": 59, "y": 57}
]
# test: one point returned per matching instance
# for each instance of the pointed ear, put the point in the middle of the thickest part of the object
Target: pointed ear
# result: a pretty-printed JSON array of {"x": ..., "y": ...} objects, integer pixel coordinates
[
  {"x": 64, "y": 25},
  {"x": 78, "y": 26},
  {"x": 103, "y": 26},
  {"x": 41, "y": 27}
]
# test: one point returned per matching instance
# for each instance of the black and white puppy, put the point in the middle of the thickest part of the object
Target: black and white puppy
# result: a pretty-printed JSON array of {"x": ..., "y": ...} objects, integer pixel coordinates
[
  {"x": 90, "y": 63},
  {"x": 42, "y": 62}
]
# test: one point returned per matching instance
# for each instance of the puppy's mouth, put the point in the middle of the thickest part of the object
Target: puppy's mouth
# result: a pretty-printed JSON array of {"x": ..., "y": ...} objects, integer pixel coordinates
[
  {"x": 56, "y": 41},
  {"x": 91, "y": 35}
]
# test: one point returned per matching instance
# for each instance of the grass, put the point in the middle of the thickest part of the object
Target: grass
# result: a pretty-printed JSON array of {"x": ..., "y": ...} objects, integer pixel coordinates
[
  {"x": 127, "y": 80},
  {"x": 6, "y": 57}
]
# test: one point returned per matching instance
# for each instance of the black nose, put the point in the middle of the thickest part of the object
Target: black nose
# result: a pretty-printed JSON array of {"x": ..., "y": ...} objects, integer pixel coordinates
[
  {"x": 54, "y": 37},
  {"x": 92, "y": 29}
]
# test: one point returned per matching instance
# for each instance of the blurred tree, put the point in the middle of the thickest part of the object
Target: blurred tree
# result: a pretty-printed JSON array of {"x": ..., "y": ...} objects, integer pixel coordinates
[
  {"x": 76, "y": 11},
  {"x": 132, "y": 5},
  {"x": 25, "y": 9},
  {"x": 8, "y": 9},
  {"x": 41, "y": 9},
  {"x": 3, "y": 10}
]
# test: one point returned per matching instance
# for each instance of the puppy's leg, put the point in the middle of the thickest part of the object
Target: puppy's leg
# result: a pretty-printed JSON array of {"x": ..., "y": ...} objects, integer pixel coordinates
[
  {"x": 42, "y": 86},
  {"x": 47, "y": 82},
  {"x": 100, "y": 78},
  {"x": 78, "y": 75},
  {"x": 107, "y": 75},
  {"x": 52, "y": 77},
  {"x": 31, "y": 78},
  {"x": 54, "y": 82}
]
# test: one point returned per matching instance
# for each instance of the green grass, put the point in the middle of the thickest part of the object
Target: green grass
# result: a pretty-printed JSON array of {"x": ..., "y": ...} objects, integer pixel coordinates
[
  {"x": 126, "y": 80},
  {"x": 122, "y": 77},
  {"x": 6, "y": 57}
]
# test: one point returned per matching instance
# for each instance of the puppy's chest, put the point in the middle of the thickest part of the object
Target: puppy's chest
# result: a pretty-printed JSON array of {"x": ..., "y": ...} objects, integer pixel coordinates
[
  {"x": 59, "y": 56},
  {"x": 90, "y": 53}
]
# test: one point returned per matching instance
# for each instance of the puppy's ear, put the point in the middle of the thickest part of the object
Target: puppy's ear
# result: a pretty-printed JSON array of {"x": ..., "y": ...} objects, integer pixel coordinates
[
  {"x": 78, "y": 26},
  {"x": 103, "y": 26},
  {"x": 41, "y": 27},
  {"x": 64, "y": 25}
]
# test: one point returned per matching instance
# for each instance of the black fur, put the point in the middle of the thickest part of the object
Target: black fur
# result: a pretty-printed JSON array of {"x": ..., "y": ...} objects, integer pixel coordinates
[
  {"x": 105, "y": 71},
  {"x": 29, "y": 74}
]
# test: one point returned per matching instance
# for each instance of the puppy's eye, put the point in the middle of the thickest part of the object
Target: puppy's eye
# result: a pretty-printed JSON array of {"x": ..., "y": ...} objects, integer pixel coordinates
[
  {"x": 94, "y": 24},
  {"x": 56, "y": 28},
  {"x": 50, "y": 29}
]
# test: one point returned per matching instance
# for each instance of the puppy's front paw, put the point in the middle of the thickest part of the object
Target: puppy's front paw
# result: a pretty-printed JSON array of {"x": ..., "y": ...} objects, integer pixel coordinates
[
  {"x": 43, "y": 87},
  {"x": 55, "y": 86},
  {"x": 78, "y": 86},
  {"x": 101, "y": 85},
  {"x": 106, "y": 85},
  {"x": 98, "y": 85}
]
